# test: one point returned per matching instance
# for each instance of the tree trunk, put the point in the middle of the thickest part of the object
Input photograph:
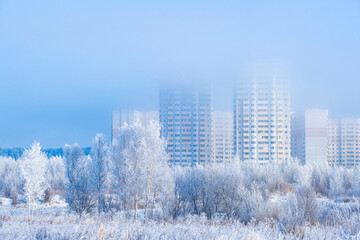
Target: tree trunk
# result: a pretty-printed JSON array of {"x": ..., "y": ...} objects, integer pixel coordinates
[
  {"x": 29, "y": 209},
  {"x": 147, "y": 196},
  {"x": 136, "y": 206},
  {"x": 153, "y": 205}
]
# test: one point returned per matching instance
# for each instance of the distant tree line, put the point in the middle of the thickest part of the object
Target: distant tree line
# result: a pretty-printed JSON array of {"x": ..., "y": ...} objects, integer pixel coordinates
[{"x": 17, "y": 153}]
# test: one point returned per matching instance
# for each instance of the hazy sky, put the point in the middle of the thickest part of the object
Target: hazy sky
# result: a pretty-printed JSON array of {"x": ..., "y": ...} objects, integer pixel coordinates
[{"x": 64, "y": 65}]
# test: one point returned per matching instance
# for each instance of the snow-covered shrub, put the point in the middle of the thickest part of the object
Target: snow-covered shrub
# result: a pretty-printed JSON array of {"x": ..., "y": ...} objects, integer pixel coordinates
[
  {"x": 300, "y": 208},
  {"x": 291, "y": 219},
  {"x": 320, "y": 179},
  {"x": 337, "y": 183},
  {"x": 11, "y": 181},
  {"x": 290, "y": 170},
  {"x": 217, "y": 190}
]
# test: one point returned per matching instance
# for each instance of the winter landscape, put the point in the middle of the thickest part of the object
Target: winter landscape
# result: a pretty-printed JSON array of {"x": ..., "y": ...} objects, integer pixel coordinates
[
  {"x": 179, "y": 120},
  {"x": 130, "y": 192}
]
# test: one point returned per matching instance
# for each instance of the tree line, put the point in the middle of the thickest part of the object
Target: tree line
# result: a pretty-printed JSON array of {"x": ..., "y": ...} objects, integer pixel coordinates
[{"x": 134, "y": 178}]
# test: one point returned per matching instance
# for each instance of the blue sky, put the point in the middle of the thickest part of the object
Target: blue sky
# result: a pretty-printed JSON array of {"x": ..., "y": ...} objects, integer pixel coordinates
[{"x": 64, "y": 65}]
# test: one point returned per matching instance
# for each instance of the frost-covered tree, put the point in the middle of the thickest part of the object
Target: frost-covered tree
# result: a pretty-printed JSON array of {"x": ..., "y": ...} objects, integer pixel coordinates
[
  {"x": 56, "y": 177},
  {"x": 130, "y": 168},
  {"x": 10, "y": 178},
  {"x": 78, "y": 192},
  {"x": 33, "y": 165},
  {"x": 99, "y": 172},
  {"x": 220, "y": 190},
  {"x": 141, "y": 172},
  {"x": 300, "y": 207},
  {"x": 356, "y": 182},
  {"x": 56, "y": 173},
  {"x": 336, "y": 183},
  {"x": 159, "y": 182},
  {"x": 320, "y": 178},
  {"x": 4, "y": 162},
  {"x": 118, "y": 178}
]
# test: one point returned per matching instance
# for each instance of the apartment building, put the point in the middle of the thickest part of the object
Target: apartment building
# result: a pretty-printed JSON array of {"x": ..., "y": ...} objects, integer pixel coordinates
[
  {"x": 222, "y": 137},
  {"x": 334, "y": 142},
  {"x": 344, "y": 142},
  {"x": 186, "y": 119},
  {"x": 262, "y": 116}
]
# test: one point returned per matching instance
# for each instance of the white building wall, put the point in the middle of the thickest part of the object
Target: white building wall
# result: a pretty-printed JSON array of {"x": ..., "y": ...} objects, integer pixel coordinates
[
  {"x": 309, "y": 138},
  {"x": 298, "y": 136},
  {"x": 222, "y": 137},
  {"x": 316, "y": 138}
]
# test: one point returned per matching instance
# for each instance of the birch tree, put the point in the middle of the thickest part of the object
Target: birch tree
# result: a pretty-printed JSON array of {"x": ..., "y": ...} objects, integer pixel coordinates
[
  {"x": 140, "y": 167},
  {"x": 99, "y": 169},
  {"x": 33, "y": 166}
]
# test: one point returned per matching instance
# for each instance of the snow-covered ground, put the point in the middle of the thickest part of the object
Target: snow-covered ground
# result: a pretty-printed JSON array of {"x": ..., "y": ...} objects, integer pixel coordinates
[{"x": 55, "y": 222}]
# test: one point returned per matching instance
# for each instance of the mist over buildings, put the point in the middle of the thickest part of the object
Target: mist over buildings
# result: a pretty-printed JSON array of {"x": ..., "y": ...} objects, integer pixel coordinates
[{"x": 65, "y": 66}]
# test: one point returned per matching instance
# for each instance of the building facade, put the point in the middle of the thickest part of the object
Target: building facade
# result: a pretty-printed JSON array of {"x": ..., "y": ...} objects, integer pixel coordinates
[
  {"x": 334, "y": 142},
  {"x": 309, "y": 136},
  {"x": 262, "y": 117},
  {"x": 186, "y": 119},
  {"x": 223, "y": 146},
  {"x": 344, "y": 142}
]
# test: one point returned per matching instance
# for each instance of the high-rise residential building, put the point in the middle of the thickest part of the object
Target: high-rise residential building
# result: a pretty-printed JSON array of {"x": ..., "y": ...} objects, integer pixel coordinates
[
  {"x": 350, "y": 136},
  {"x": 334, "y": 142},
  {"x": 222, "y": 137},
  {"x": 344, "y": 142},
  {"x": 186, "y": 118},
  {"x": 262, "y": 116},
  {"x": 120, "y": 118},
  {"x": 309, "y": 136}
]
